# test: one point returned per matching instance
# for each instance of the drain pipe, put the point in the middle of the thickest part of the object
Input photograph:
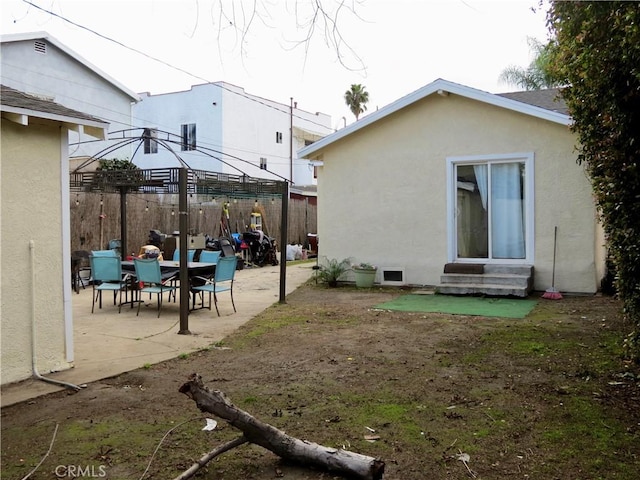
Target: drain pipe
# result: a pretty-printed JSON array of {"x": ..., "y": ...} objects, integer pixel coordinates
[{"x": 33, "y": 325}]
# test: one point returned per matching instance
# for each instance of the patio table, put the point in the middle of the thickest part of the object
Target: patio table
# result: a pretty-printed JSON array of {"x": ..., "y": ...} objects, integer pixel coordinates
[{"x": 170, "y": 270}]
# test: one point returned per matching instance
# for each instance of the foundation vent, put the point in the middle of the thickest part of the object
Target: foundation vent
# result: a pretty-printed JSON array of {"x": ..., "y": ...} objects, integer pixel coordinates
[{"x": 392, "y": 276}]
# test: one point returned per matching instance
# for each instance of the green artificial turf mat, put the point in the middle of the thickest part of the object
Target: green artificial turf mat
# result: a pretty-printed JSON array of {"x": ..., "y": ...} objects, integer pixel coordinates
[{"x": 461, "y": 305}]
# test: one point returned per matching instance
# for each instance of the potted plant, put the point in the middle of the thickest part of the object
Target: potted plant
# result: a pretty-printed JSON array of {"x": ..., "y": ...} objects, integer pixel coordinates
[{"x": 365, "y": 274}]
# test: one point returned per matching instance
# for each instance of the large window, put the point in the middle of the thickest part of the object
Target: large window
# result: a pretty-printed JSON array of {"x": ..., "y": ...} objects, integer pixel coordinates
[
  {"x": 150, "y": 136},
  {"x": 188, "y": 137},
  {"x": 492, "y": 207}
]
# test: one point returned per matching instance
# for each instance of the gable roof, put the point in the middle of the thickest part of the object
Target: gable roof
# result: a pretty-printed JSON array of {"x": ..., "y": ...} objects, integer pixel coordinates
[
  {"x": 18, "y": 106},
  {"x": 21, "y": 37},
  {"x": 549, "y": 99},
  {"x": 529, "y": 103}
]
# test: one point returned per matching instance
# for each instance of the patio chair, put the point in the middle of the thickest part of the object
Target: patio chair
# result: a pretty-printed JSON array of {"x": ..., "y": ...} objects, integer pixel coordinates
[
  {"x": 107, "y": 275},
  {"x": 176, "y": 258},
  {"x": 79, "y": 264},
  {"x": 104, "y": 253},
  {"x": 148, "y": 272},
  {"x": 190, "y": 255},
  {"x": 222, "y": 281},
  {"x": 210, "y": 256}
]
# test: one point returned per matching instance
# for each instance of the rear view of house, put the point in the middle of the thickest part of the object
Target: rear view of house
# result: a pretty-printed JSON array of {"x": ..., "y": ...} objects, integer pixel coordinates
[{"x": 457, "y": 179}]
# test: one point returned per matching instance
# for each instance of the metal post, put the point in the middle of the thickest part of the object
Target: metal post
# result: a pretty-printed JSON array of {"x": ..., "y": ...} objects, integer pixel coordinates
[
  {"x": 284, "y": 225},
  {"x": 183, "y": 222},
  {"x": 123, "y": 224}
]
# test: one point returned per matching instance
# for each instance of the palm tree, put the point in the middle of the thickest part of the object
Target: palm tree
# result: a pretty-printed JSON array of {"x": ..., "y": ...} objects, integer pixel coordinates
[
  {"x": 538, "y": 74},
  {"x": 356, "y": 98}
]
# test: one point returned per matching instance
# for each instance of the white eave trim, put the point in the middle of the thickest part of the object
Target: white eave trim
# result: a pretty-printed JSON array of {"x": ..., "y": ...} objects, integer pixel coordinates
[
  {"x": 90, "y": 127},
  {"x": 440, "y": 87}
]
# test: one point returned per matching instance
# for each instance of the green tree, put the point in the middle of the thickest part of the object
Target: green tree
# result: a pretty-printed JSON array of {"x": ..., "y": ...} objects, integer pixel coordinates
[
  {"x": 598, "y": 56},
  {"x": 538, "y": 74},
  {"x": 356, "y": 98}
]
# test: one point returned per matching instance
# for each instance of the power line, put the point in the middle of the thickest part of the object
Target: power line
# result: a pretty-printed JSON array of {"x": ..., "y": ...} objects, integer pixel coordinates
[
  {"x": 113, "y": 40},
  {"x": 287, "y": 112}
]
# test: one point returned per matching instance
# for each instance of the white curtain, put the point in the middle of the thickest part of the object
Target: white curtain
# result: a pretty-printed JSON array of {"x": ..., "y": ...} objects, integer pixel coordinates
[
  {"x": 507, "y": 225},
  {"x": 480, "y": 172}
]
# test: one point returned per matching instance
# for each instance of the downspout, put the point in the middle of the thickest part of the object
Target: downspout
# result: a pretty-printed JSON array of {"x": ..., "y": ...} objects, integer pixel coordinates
[{"x": 33, "y": 325}]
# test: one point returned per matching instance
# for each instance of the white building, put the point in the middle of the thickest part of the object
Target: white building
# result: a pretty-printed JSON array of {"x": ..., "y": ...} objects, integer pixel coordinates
[
  {"x": 38, "y": 64},
  {"x": 219, "y": 127}
]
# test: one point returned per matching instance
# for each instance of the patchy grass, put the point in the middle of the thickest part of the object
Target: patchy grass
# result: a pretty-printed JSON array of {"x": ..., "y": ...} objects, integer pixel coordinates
[{"x": 548, "y": 396}]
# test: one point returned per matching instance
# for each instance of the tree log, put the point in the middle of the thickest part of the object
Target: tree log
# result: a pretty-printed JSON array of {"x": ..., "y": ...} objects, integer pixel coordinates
[{"x": 285, "y": 446}]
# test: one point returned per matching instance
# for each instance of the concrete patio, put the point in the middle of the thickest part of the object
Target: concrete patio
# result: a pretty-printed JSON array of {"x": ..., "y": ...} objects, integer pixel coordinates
[{"x": 107, "y": 343}]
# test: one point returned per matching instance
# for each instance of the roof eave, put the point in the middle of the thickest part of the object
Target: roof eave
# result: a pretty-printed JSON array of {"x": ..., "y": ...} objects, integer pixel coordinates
[
  {"x": 21, "y": 116},
  {"x": 441, "y": 87}
]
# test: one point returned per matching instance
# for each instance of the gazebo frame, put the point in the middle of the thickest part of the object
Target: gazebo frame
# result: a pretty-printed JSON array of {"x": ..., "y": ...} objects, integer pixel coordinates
[{"x": 184, "y": 181}]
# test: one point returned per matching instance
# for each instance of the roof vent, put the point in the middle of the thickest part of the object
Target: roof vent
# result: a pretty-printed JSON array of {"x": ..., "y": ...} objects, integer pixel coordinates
[{"x": 40, "y": 46}]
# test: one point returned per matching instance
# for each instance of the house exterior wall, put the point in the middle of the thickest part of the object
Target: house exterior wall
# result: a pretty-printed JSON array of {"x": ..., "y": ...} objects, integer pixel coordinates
[
  {"x": 250, "y": 124},
  {"x": 61, "y": 78},
  {"x": 241, "y": 126},
  {"x": 31, "y": 209},
  {"x": 382, "y": 191},
  {"x": 166, "y": 112}
]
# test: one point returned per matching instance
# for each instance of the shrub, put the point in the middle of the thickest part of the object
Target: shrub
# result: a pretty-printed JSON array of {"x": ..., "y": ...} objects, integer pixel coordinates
[{"x": 331, "y": 270}]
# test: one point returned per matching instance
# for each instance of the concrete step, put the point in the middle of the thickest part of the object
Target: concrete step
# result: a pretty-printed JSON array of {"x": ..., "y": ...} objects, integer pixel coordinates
[
  {"x": 509, "y": 269},
  {"x": 496, "y": 290},
  {"x": 486, "y": 278}
]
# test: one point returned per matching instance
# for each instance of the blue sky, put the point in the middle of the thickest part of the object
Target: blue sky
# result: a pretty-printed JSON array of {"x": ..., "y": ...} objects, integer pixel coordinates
[{"x": 397, "y": 46}]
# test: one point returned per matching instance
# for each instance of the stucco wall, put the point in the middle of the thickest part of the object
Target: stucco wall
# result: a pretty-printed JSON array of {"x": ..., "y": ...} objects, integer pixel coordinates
[
  {"x": 31, "y": 200},
  {"x": 167, "y": 112},
  {"x": 250, "y": 124},
  {"x": 382, "y": 190},
  {"x": 231, "y": 121}
]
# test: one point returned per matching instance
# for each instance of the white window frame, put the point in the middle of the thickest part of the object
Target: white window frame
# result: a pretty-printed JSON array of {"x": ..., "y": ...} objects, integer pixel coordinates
[{"x": 529, "y": 184}]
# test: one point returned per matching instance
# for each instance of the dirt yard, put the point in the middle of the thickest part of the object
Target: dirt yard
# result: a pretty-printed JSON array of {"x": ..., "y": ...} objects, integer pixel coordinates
[{"x": 434, "y": 396}]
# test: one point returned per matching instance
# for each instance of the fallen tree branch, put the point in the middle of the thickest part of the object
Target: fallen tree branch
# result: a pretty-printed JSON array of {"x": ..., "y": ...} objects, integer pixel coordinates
[
  {"x": 278, "y": 442},
  {"x": 202, "y": 461}
]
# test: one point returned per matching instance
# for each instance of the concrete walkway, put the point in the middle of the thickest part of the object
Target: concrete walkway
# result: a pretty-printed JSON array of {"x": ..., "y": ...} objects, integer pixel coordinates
[{"x": 108, "y": 343}]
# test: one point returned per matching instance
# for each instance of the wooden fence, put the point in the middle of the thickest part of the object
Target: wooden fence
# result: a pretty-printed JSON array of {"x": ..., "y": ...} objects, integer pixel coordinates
[{"x": 95, "y": 218}]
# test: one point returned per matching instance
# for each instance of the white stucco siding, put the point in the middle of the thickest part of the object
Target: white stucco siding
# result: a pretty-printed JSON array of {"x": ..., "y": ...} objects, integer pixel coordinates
[
  {"x": 382, "y": 190},
  {"x": 56, "y": 75},
  {"x": 31, "y": 201},
  {"x": 250, "y": 126},
  {"x": 167, "y": 112},
  {"x": 241, "y": 126}
]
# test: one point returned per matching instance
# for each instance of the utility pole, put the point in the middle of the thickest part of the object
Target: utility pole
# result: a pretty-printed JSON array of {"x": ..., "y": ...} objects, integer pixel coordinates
[{"x": 291, "y": 141}]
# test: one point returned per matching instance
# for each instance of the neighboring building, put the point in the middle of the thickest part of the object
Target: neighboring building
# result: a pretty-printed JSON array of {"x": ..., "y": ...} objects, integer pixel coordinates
[
  {"x": 35, "y": 281},
  {"x": 38, "y": 64},
  {"x": 451, "y": 175},
  {"x": 219, "y": 127}
]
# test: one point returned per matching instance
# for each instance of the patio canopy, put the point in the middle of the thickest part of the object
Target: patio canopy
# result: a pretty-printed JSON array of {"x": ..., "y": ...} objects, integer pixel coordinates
[{"x": 184, "y": 182}]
